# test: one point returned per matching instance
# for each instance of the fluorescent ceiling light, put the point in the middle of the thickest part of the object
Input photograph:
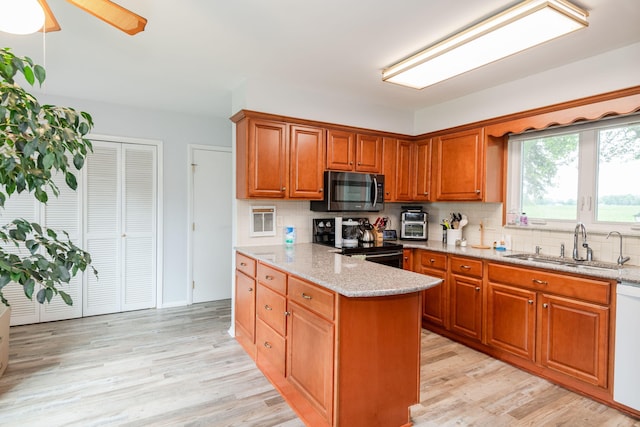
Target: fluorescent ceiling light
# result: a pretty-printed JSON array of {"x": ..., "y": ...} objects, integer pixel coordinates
[
  {"x": 21, "y": 16},
  {"x": 528, "y": 24}
]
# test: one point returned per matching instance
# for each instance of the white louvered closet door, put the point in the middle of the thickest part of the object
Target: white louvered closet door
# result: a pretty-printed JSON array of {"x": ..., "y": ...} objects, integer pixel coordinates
[
  {"x": 23, "y": 311},
  {"x": 139, "y": 227},
  {"x": 63, "y": 213},
  {"x": 120, "y": 227}
]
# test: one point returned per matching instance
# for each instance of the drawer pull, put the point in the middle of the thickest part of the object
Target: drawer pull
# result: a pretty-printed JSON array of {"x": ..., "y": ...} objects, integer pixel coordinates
[
  {"x": 305, "y": 296},
  {"x": 267, "y": 277},
  {"x": 530, "y": 301},
  {"x": 243, "y": 264},
  {"x": 267, "y": 307},
  {"x": 287, "y": 313},
  {"x": 477, "y": 288},
  {"x": 432, "y": 260},
  {"x": 465, "y": 267},
  {"x": 267, "y": 344},
  {"x": 545, "y": 305},
  {"x": 540, "y": 282},
  {"x": 250, "y": 289}
]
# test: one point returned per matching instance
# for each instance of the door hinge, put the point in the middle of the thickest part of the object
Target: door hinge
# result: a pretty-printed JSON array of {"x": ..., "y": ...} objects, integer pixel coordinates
[
  {"x": 193, "y": 284},
  {"x": 193, "y": 226}
]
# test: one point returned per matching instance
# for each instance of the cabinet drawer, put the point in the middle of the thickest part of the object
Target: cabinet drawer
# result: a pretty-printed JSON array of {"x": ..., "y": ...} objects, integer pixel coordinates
[
  {"x": 270, "y": 308},
  {"x": 274, "y": 279},
  {"x": 432, "y": 260},
  {"x": 271, "y": 346},
  {"x": 466, "y": 266},
  {"x": 312, "y": 297},
  {"x": 583, "y": 288},
  {"x": 245, "y": 264}
]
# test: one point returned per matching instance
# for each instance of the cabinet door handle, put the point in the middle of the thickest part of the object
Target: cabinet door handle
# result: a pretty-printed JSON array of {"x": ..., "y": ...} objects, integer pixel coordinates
[
  {"x": 477, "y": 288},
  {"x": 465, "y": 267},
  {"x": 477, "y": 191},
  {"x": 287, "y": 313},
  {"x": 267, "y": 344},
  {"x": 250, "y": 289},
  {"x": 320, "y": 190},
  {"x": 267, "y": 277},
  {"x": 243, "y": 264},
  {"x": 545, "y": 305},
  {"x": 530, "y": 301},
  {"x": 350, "y": 163},
  {"x": 539, "y": 282},
  {"x": 359, "y": 164},
  {"x": 305, "y": 296},
  {"x": 284, "y": 188},
  {"x": 267, "y": 307},
  {"x": 426, "y": 193}
]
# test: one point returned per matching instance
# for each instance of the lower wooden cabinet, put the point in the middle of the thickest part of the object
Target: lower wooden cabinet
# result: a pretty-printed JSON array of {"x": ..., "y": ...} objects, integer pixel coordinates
[
  {"x": 511, "y": 319},
  {"x": 574, "y": 337},
  {"x": 338, "y": 361},
  {"x": 465, "y": 283},
  {"x": 310, "y": 358},
  {"x": 435, "y": 300}
]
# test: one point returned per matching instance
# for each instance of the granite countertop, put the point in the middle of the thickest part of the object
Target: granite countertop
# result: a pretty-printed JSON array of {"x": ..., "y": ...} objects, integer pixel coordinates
[
  {"x": 351, "y": 277},
  {"x": 627, "y": 273}
]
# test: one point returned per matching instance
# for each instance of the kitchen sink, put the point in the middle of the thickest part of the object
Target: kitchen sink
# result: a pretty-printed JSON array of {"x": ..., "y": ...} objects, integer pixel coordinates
[{"x": 567, "y": 262}]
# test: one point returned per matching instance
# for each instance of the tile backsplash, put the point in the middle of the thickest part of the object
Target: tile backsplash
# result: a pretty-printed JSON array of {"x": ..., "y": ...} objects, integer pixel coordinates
[{"x": 523, "y": 239}]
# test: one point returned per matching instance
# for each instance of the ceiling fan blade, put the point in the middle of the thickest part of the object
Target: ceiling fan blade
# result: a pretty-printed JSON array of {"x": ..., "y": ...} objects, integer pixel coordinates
[
  {"x": 113, "y": 14},
  {"x": 50, "y": 22}
]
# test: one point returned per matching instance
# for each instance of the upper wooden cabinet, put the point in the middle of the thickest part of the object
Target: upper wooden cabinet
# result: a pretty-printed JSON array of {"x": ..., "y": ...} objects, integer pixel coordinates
[
  {"x": 348, "y": 151},
  {"x": 413, "y": 171},
  {"x": 389, "y": 156},
  {"x": 468, "y": 166},
  {"x": 278, "y": 160},
  {"x": 306, "y": 170}
]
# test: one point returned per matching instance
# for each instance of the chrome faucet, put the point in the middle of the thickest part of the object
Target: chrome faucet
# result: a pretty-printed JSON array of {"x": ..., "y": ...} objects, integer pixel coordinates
[
  {"x": 580, "y": 228},
  {"x": 621, "y": 259}
]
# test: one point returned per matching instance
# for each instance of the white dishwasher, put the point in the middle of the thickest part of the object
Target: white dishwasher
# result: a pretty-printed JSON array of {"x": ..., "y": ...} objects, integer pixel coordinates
[{"x": 626, "y": 383}]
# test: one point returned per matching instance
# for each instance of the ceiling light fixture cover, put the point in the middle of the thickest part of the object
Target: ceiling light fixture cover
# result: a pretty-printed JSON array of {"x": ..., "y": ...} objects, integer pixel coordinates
[
  {"x": 525, "y": 25},
  {"x": 21, "y": 16}
]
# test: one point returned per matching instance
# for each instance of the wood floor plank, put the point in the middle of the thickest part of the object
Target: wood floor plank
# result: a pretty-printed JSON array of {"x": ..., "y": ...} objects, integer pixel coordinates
[{"x": 179, "y": 367}]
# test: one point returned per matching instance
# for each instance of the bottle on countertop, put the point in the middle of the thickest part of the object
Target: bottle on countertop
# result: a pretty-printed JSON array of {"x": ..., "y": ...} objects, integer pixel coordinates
[
  {"x": 523, "y": 219},
  {"x": 289, "y": 235}
]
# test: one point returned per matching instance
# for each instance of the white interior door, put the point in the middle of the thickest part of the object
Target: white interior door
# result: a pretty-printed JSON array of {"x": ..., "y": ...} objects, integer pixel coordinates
[{"x": 211, "y": 228}]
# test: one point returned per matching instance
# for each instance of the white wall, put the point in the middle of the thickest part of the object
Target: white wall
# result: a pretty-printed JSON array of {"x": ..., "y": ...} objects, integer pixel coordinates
[
  {"x": 617, "y": 69},
  {"x": 176, "y": 131}
]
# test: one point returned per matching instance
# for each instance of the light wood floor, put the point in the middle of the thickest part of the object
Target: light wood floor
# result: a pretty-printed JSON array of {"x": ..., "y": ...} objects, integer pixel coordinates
[{"x": 179, "y": 367}]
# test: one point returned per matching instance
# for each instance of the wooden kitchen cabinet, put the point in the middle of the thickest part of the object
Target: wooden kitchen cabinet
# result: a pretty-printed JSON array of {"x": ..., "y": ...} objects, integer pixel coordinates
[
  {"x": 557, "y": 321},
  {"x": 413, "y": 171},
  {"x": 389, "y": 156},
  {"x": 245, "y": 303},
  {"x": 320, "y": 359},
  {"x": 278, "y": 160},
  {"x": 351, "y": 152},
  {"x": 465, "y": 284},
  {"x": 306, "y": 169},
  {"x": 511, "y": 319},
  {"x": 468, "y": 166},
  {"x": 407, "y": 259},
  {"x": 435, "y": 300},
  {"x": 574, "y": 337}
]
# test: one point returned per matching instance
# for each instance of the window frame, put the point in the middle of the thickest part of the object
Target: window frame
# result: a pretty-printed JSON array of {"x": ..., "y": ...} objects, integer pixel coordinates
[{"x": 587, "y": 176}]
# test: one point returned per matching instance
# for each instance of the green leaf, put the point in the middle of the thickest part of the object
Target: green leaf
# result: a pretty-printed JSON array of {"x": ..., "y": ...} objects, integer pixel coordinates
[
  {"x": 78, "y": 161},
  {"x": 28, "y": 75},
  {"x": 41, "y": 195},
  {"x": 5, "y": 279},
  {"x": 36, "y": 227},
  {"x": 40, "y": 73},
  {"x": 52, "y": 233},
  {"x": 64, "y": 274},
  {"x": 71, "y": 180},
  {"x": 48, "y": 160},
  {"x": 41, "y": 296},
  {"x": 28, "y": 288},
  {"x": 66, "y": 298}
]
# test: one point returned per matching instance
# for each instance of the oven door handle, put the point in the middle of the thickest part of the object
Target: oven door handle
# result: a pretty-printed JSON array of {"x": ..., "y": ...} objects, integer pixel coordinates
[{"x": 383, "y": 255}]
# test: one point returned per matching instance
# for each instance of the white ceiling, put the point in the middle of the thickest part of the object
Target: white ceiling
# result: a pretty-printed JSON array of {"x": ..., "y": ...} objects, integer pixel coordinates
[{"x": 194, "y": 53}]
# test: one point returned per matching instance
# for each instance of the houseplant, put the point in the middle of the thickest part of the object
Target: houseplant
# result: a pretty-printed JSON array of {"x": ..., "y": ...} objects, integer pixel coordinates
[{"x": 36, "y": 142}]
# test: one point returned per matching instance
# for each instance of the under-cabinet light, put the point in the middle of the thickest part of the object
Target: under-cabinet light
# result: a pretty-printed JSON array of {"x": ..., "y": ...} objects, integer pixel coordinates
[{"x": 525, "y": 25}]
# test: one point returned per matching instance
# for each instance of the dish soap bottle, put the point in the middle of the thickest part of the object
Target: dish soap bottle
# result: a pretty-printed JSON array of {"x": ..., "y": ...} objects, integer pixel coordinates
[{"x": 289, "y": 235}]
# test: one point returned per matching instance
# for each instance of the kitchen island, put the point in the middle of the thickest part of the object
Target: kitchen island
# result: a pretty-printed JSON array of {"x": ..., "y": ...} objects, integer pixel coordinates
[{"x": 339, "y": 337}]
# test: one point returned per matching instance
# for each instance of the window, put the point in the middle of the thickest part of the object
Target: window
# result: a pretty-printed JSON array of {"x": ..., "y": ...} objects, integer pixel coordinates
[{"x": 588, "y": 173}]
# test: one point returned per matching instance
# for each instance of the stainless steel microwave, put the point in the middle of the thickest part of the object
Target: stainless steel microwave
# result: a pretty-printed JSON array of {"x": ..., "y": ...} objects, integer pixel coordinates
[{"x": 351, "y": 192}]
